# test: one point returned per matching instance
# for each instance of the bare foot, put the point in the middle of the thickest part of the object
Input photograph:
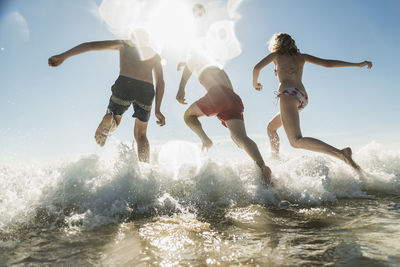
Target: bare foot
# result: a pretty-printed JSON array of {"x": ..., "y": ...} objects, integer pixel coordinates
[
  {"x": 103, "y": 130},
  {"x": 266, "y": 176},
  {"x": 207, "y": 143},
  {"x": 347, "y": 153}
]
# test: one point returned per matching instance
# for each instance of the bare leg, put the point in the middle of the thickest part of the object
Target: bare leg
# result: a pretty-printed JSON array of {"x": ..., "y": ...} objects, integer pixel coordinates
[
  {"x": 191, "y": 118},
  {"x": 107, "y": 125},
  {"x": 239, "y": 136},
  {"x": 274, "y": 141},
  {"x": 143, "y": 145},
  {"x": 291, "y": 123}
]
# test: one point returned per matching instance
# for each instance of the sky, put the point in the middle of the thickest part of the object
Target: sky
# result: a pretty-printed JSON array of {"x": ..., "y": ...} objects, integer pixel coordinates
[{"x": 52, "y": 112}]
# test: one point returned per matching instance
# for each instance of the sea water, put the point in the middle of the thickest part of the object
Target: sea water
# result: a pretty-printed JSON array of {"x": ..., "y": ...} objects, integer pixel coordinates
[{"x": 192, "y": 209}]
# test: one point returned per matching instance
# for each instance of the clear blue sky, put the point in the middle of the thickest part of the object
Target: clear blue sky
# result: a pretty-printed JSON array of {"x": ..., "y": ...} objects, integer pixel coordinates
[{"x": 47, "y": 112}]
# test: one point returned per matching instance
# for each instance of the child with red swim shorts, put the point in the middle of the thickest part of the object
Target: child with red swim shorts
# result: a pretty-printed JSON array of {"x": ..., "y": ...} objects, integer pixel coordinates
[{"x": 220, "y": 101}]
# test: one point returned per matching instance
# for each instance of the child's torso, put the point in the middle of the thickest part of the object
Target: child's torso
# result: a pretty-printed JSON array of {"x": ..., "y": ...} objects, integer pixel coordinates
[
  {"x": 134, "y": 65},
  {"x": 289, "y": 70},
  {"x": 214, "y": 77}
]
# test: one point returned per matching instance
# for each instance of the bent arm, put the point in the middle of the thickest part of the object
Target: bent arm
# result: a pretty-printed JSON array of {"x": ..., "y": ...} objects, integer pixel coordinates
[
  {"x": 330, "y": 63},
  {"x": 259, "y": 66},
  {"x": 185, "y": 77},
  {"x": 160, "y": 85},
  {"x": 84, "y": 47}
]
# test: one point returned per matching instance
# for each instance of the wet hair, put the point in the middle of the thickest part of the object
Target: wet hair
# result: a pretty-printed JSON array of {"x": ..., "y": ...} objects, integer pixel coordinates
[{"x": 282, "y": 43}]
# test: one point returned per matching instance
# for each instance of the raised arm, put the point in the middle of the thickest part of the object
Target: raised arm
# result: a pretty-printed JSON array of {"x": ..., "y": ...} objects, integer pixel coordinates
[
  {"x": 56, "y": 60},
  {"x": 159, "y": 77},
  {"x": 180, "y": 96},
  {"x": 329, "y": 63},
  {"x": 258, "y": 67}
]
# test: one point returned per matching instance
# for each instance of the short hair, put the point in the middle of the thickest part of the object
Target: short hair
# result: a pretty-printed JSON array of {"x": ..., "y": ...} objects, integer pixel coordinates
[{"x": 282, "y": 43}]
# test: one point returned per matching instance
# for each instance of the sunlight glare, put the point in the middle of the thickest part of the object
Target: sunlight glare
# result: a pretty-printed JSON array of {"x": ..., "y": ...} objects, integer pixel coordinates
[
  {"x": 172, "y": 23},
  {"x": 177, "y": 154},
  {"x": 122, "y": 16},
  {"x": 140, "y": 38},
  {"x": 222, "y": 42}
]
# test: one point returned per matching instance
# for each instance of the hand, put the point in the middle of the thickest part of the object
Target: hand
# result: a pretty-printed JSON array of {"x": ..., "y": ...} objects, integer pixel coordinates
[
  {"x": 258, "y": 86},
  {"x": 55, "y": 61},
  {"x": 366, "y": 63},
  {"x": 180, "y": 96},
  {"x": 160, "y": 118}
]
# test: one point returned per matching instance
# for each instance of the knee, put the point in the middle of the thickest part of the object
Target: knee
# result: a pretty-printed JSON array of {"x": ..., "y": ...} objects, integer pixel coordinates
[
  {"x": 187, "y": 116},
  {"x": 140, "y": 136},
  {"x": 294, "y": 141},
  {"x": 271, "y": 129}
]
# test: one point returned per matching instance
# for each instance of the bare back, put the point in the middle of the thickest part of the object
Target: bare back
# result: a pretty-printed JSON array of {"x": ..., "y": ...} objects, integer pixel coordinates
[
  {"x": 289, "y": 70},
  {"x": 214, "y": 77},
  {"x": 132, "y": 66}
]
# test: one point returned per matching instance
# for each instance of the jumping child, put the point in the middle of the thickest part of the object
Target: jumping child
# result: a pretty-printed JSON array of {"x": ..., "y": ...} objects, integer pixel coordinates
[
  {"x": 289, "y": 63},
  {"x": 220, "y": 101},
  {"x": 134, "y": 85}
]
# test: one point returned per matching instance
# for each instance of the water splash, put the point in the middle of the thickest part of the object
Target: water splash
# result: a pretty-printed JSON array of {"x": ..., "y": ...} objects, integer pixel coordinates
[{"x": 95, "y": 189}]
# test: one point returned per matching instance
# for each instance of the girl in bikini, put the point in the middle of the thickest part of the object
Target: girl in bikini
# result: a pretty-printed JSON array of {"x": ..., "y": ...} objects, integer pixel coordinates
[{"x": 289, "y": 63}]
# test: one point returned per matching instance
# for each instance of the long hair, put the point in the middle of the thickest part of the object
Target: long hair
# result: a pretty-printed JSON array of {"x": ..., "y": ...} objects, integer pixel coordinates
[{"x": 282, "y": 43}]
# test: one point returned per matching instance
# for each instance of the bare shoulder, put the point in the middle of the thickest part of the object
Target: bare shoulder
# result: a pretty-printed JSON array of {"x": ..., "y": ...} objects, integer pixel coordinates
[
  {"x": 302, "y": 57},
  {"x": 272, "y": 56},
  {"x": 156, "y": 59},
  {"x": 265, "y": 61},
  {"x": 125, "y": 43},
  {"x": 310, "y": 58}
]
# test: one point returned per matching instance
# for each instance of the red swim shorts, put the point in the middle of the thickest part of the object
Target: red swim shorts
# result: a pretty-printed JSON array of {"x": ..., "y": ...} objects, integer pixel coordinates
[{"x": 222, "y": 102}]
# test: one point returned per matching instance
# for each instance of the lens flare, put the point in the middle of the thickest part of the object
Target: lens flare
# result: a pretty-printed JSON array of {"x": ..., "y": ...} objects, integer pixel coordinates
[
  {"x": 178, "y": 155},
  {"x": 198, "y": 10},
  {"x": 141, "y": 39},
  {"x": 123, "y": 16},
  {"x": 177, "y": 25},
  {"x": 222, "y": 42},
  {"x": 172, "y": 24}
]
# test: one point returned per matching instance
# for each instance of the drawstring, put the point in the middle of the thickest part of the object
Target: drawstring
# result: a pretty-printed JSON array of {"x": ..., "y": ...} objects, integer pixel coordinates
[{"x": 277, "y": 95}]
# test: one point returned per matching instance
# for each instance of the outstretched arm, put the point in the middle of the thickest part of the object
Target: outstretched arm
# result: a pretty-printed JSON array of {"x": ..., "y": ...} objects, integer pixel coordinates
[
  {"x": 56, "y": 60},
  {"x": 329, "y": 63},
  {"x": 180, "y": 96},
  {"x": 159, "y": 77},
  {"x": 258, "y": 67}
]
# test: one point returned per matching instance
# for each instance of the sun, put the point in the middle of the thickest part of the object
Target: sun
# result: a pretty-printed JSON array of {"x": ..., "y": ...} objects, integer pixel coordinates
[{"x": 172, "y": 24}]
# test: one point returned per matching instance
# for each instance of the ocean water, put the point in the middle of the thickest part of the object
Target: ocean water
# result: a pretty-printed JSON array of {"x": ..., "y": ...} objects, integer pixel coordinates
[{"x": 190, "y": 209}]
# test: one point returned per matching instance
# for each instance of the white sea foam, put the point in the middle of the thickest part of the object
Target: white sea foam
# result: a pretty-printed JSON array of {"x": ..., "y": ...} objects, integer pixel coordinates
[{"x": 102, "y": 188}]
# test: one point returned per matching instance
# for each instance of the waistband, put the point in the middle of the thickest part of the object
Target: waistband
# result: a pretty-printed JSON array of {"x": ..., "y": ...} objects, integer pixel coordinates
[
  {"x": 128, "y": 80},
  {"x": 220, "y": 88}
]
